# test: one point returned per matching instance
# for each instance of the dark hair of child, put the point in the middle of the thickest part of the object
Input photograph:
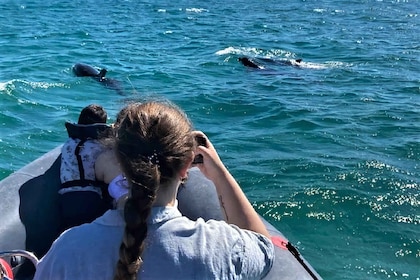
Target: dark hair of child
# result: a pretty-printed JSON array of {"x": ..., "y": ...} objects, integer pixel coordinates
[{"x": 91, "y": 114}]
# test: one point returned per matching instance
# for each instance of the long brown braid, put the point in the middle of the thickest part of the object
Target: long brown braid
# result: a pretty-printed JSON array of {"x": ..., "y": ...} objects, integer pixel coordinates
[{"x": 153, "y": 143}]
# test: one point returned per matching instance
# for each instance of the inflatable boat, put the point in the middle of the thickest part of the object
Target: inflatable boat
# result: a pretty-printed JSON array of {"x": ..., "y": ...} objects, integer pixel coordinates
[{"x": 29, "y": 220}]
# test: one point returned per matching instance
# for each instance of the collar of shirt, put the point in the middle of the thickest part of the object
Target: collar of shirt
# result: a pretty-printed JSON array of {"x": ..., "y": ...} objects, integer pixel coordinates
[
  {"x": 163, "y": 214},
  {"x": 157, "y": 215}
]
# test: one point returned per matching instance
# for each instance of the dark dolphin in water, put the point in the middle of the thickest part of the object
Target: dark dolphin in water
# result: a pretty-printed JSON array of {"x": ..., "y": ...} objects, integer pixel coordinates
[
  {"x": 84, "y": 70},
  {"x": 248, "y": 62}
]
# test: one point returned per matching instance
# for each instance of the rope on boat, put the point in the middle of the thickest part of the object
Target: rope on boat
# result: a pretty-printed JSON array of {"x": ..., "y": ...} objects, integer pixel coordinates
[{"x": 292, "y": 249}]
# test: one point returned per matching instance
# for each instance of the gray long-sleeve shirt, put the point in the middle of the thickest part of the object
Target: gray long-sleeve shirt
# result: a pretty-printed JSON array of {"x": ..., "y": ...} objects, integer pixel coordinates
[{"x": 176, "y": 248}]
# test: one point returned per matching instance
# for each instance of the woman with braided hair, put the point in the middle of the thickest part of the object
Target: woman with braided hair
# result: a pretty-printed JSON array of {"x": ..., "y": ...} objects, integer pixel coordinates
[{"x": 150, "y": 239}]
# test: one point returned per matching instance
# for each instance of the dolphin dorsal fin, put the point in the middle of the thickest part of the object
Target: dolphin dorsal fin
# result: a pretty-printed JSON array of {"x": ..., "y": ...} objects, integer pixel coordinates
[{"x": 102, "y": 73}]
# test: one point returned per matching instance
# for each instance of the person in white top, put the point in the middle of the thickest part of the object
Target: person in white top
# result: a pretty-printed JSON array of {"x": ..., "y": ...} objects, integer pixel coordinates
[
  {"x": 150, "y": 239},
  {"x": 81, "y": 198}
]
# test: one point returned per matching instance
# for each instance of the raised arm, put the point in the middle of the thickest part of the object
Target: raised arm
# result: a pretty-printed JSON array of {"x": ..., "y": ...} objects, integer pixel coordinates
[{"x": 235, "y": 205}]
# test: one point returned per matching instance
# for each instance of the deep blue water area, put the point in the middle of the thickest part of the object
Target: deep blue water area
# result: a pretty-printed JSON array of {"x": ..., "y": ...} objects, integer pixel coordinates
[{"x": 327, "y": 150}]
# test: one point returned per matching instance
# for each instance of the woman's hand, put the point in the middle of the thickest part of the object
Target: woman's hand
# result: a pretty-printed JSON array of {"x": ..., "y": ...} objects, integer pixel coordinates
[{"x": 211, "y": 166}]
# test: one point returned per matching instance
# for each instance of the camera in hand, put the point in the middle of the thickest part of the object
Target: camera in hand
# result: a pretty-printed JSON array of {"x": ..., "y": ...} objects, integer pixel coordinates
[{"x": 201, "y": 141}]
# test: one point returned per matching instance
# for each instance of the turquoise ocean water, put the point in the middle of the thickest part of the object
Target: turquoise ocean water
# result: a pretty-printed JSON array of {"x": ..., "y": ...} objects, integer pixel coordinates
[{"x": 327, "y": 152}]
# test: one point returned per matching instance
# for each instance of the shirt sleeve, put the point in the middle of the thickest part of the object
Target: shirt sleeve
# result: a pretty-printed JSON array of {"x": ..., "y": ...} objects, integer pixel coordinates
[
  {"x": 252, "y": 254},
  {"x": 48, "y": 267}
]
